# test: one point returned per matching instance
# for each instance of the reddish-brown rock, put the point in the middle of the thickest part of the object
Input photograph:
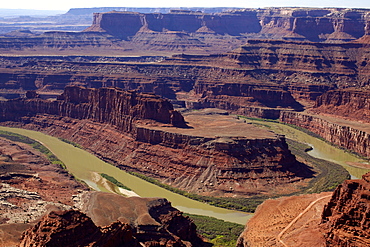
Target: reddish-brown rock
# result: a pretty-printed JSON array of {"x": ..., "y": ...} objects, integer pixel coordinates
[
  {"x": 113, "y": 220},
  {"x": 350, "y": 103},
  {"x": 346, "y": 218},
  {"x": 105, "y": 105},
  {"x": 349, "y": 135},
  {"x": 221, "y": 157},
  {"x": 73, "y": 228}
]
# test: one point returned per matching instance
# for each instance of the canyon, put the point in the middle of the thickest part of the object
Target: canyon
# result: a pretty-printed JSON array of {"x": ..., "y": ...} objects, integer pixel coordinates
[
  {"x": 216, "y": 154},
  {"x": 42, "y": 203},
  {"x": 300, "y": 66}
]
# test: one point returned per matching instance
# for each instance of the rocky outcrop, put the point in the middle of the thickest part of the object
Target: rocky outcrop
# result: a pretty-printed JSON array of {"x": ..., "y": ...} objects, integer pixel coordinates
[
  {"x": 345, "y": 218},
  {"x": 73, "y": 228},
  {"x": 194, "y": 32},
  {"x": 340, "y": 134},
  {"x": 351, "y": 104},
  {"x": 233, "y": 96},
  {"x": 133, "y": 222},
  {"x": 30, "y": 186}
]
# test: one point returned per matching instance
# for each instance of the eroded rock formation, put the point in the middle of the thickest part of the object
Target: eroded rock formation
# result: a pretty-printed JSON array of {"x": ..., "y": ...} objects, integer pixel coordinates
[
  {"x": 73, "y": 228},
  {"x": 197, "y": 32},
  {"x": 346, "y": 218},
  {"x": 327, "y": 24},
  {"x": 105, "y": 105},
  {"x": 351, "y": 104},
  {"x": 219, "y": 156},
  {"x": 344, "y": 134},
  {"x": 133, "y": 222}
]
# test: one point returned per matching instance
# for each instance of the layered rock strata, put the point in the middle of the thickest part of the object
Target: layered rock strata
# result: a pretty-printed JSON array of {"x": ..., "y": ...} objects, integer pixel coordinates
[
  {"x": 105, "y": 105},
  {"x": 214, "y": 159},
  {"x": 345, "y": 218},
  {"x": 195, "y": 32},
  {"x": 327, "y": 24},
  {"x": 342, "y": 134},
  {"x": 351, "y": 104}
]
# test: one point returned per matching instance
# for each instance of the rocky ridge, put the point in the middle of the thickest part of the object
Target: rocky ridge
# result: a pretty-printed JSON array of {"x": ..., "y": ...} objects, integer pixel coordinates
[
  {"x": 326, "y": 24},
  {"x": 345, "y": 218},
  {"x": 197, "y": 32},
  {"x": 133, "y": 222}
]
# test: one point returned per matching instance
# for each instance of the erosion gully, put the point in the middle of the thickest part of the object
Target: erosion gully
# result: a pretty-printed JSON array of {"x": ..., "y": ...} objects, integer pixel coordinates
[{"x": 85, "y": 166}]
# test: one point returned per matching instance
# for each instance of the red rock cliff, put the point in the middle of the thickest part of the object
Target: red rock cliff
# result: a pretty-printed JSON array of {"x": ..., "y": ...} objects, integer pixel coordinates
[
  {"x": 346, "y": 218},
  {"x": 351, "y": 103},
  {"x": 329, "y": 24},
  {"x": 106, "y": 105},
  {"x": 341, "y": 134}
]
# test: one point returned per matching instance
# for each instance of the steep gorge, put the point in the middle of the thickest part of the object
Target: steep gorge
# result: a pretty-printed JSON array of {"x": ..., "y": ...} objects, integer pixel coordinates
[{"x": 211, "y": 164}]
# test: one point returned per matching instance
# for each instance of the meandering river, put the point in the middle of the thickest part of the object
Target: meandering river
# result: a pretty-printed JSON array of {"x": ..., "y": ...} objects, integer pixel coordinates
[
  {"x": 84, "y": 166},
  {"x": 320, "y": 149}
]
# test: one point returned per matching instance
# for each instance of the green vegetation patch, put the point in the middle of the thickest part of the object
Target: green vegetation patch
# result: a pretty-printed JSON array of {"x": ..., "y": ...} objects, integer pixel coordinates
[
  {"x": 71, "y": 143},
  {"x": 241, "y": 204},
  {"x": 34, "y": 144},
  {"x": 330, "y": 174},
  {"x": 114, "y": 181},
  {"x": 218, "y": 232}
]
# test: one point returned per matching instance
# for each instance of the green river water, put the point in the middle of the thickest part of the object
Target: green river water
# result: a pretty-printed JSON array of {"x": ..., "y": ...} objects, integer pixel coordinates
[
  {"x": 83, "y": 165},
  {"x": 321, "y": 149}
]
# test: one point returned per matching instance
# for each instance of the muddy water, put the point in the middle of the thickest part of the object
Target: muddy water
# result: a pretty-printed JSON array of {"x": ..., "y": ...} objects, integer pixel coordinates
[
  {"x": 321, "y": 149},
  {"x": 84, "y": 166}
]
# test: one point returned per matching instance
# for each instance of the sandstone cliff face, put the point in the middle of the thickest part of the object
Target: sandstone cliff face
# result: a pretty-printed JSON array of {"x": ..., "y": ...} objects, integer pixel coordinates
[
  {"x": 339, "y": 134},
  {"x": 330, "y": 25},
  {"x": 345, "y": 218},
  {"x": 346, "y": 60},
  {"x": 106, "y": 105},
  {"x": 350, "y": 103}
]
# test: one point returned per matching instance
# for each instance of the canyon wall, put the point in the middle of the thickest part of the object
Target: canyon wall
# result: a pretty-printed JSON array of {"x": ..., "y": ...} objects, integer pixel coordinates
[
  {"x": 327, "y": 24},
  {"x": 351, "y": 104},
  {"x": 209, "y": 164},
  {"x": 195, "y": 32},
  {"x": 106, "y": 105},
  {"x": 345, "y": 219},
  {"x": 342, "y": 135}
]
